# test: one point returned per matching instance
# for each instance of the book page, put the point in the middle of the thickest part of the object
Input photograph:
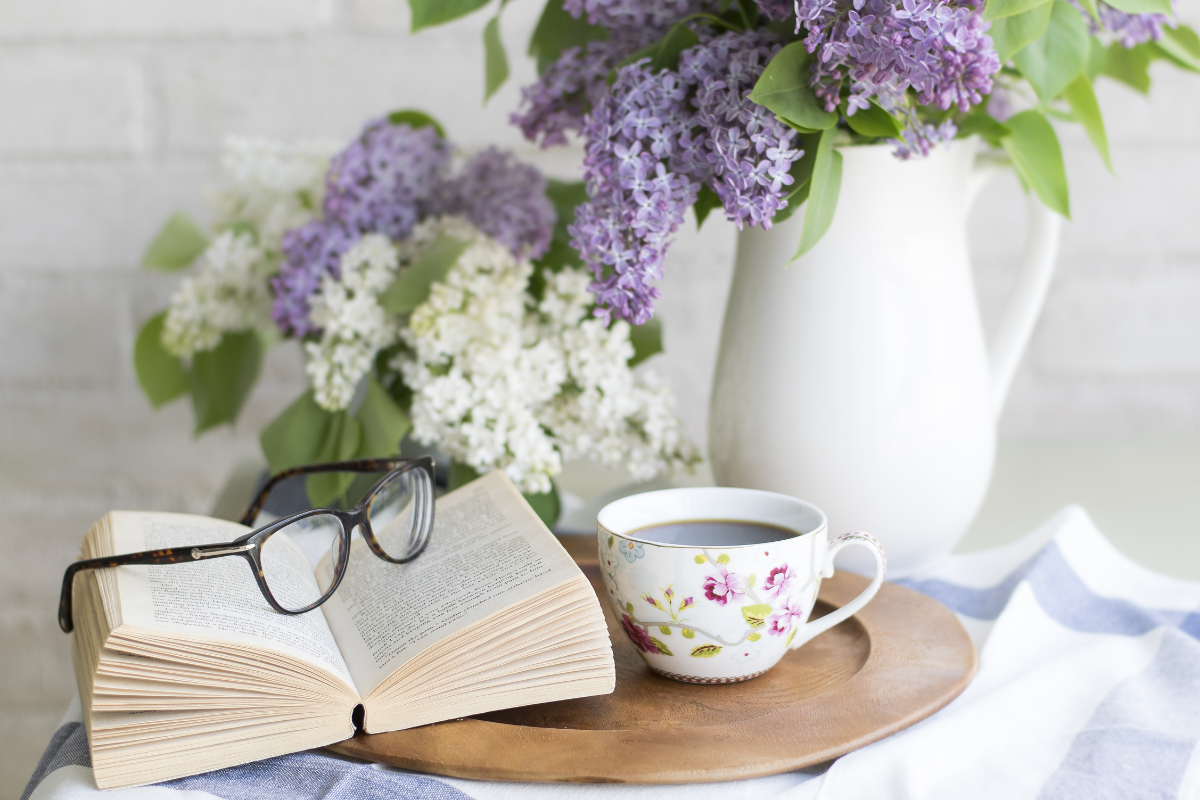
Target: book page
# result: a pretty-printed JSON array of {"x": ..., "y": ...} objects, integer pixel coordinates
[
  {"x": 216, "y": 598},
  {"x": 488, "y": 551}
]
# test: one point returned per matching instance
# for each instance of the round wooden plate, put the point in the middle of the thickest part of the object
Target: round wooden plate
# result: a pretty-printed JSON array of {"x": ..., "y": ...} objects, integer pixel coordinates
[{"x": 894, "y": 663}]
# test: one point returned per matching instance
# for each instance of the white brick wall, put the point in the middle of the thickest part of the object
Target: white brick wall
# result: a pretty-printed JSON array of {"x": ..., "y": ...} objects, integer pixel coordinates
[
  {"x": 62, "y": 104},
  {"x": 111, "y": 112}
]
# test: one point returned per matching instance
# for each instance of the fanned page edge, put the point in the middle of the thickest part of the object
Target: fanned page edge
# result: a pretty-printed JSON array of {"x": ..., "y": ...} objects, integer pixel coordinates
[
  {"x": 371, "y": 637},
  {"x": 122, "y": 763},
  {"x": 585, "y": 672}
]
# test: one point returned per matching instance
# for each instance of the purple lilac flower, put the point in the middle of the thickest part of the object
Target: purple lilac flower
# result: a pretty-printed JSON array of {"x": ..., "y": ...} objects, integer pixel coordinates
[
  {"x": 874, "y": 50},
  {"x": 635, "y": 203},
  {"x": 653, "y": 140},
  {"x": 616, "y": 14},
  {"x": 558, "y": 100},
  {"x": 503, "y": 198},
  {"x": 920, "y": 138},
  {"x": 738, "y": 147},
  {"x": 309, "y": 252},
  {"x": 384, "y": 182},
  {"x": 374, "y": 185},
  {"x": 1128, "y": 29}
]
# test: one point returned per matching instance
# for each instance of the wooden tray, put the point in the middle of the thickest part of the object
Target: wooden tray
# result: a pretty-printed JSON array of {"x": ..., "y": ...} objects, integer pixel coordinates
[{"x": 894, "y": 663}]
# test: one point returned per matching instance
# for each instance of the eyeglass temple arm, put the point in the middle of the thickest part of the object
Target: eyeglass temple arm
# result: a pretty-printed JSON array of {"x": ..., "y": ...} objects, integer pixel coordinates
[
  {"x": 355, "y": 465},
  {"x": 172, "y": 555}
]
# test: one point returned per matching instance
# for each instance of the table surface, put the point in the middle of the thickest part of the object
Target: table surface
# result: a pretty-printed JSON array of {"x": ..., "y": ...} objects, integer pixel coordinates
[{"x": 1143, "y": 494}]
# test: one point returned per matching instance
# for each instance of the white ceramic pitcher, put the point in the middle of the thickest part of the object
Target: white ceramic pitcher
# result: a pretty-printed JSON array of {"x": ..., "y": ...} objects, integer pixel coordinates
[{"x": 857, "y": 378}]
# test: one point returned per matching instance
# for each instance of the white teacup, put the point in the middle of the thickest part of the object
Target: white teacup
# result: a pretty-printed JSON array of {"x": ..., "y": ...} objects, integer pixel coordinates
[{"x": 723, "y": 601}]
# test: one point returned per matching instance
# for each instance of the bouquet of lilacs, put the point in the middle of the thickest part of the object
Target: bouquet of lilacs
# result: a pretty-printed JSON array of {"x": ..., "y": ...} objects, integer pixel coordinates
[
  {"x": 742, "y": 104},
  {"x": 433, "y": 296}
]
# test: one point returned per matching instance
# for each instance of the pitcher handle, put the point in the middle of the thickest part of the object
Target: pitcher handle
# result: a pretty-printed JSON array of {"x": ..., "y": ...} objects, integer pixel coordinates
[
  {"x": 816, "y": 627},
  {"x": 1029, "y": 293}
]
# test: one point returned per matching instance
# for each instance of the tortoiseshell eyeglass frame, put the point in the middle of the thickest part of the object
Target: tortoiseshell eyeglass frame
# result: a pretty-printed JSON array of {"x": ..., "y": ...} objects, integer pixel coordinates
[{"x": 249, "y": 546}]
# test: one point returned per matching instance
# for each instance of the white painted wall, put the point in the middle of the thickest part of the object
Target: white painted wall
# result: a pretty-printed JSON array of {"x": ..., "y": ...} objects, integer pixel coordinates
[{"x": 110, "y": 116}]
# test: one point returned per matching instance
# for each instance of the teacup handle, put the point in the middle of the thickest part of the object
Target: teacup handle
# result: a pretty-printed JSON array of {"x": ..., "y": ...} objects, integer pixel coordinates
[{"x": 812, "y": 629}]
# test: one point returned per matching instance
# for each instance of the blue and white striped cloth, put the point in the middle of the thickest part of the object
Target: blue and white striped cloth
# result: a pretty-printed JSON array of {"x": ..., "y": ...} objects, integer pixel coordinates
[{"x": 1088, "y": 688}]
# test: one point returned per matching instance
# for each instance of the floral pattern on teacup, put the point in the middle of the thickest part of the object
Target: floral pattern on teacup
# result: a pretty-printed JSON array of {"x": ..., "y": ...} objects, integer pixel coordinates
[
  {"x": 724, "y": 586},
  {"x": 777, "y": 608},
  {"x": 747, "y": 652},
  {"x": 631, "y": 550}
]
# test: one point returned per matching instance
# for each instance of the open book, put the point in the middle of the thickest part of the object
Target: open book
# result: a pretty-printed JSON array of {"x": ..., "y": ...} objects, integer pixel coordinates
[{"x": 184, "y": 668}]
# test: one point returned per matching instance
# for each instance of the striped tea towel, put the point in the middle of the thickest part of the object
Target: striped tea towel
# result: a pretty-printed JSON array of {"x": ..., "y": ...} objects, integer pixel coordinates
[{"x": 1088, "y": 688}]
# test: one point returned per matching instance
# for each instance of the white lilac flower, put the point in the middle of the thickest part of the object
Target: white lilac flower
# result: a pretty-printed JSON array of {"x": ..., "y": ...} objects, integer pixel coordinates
[
  {"x": 227, "y": 292},
  {"x": 274, "y": 186},
  {"x": 500, "y": 383},
  {"x": 355, "y": 327}
]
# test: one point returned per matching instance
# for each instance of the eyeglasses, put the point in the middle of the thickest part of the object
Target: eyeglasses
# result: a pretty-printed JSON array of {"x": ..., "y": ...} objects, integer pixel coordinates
[{"x": 394, "y": 516}]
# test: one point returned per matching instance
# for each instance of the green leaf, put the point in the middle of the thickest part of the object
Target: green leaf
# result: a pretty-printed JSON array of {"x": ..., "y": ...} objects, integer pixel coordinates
[
  {"x": 789, "y": 639},
  {"x": 416, "y": 120},
  {"x": 783, "y": 88},
  {"x": 751, "y": 580},
  {"x": 1143, "y": 6},
  {"x": 723, "y": 558},
  {"x": 1058, "y": 57},
  {"x": 557, "y": 30},
  {"x": 610, "y": 542},
  {"x": 1010, "y": 34},
  {"x": 383, "y": 423},
  {"x": 411, "y": 287},
  {"x": 679, "y": 38},
  {"x": 495, "y": 61},
  {"x": 822, "y": 195},
  {"x": 874, "y": 121},
  {"x": 688, "y": 633},
  {"x": 294, "y": 437},
  {"x": 342, "y": 439},
  {"x": 999, "y": 9},
  {"x": 177, "y": 245},
  {"x": 629, "y": 607},
  {"x": 749, "y": 12},
  {"x": 1129, "y": 66},
  {"x": 754, "y": 637},
  {"x": 664, "y": 54},
  {"x": 461, "y": 474},
  {"x": 1090, "y": 7},
  {"x": 221, "y": 379},
  {"x": 663, "y": 629},
  {"x": 547, "y": 505},
  {"x": 706, "y": 201},
  {"x": 1096, "y": 57},
  {"x": 1181, "y": 46},
  {"x": 1082, "y": 99},
  {"x": 428, "y": 13},
  {"x": 1037, "y": 156},
  {"x": 160, "y": 374},
  {"x": 705, "y": 651},
  {"x": 756, "y": 615},
  {"x": 662, "y": 649},
  {"x": 646, "y": 340},
  {"x": 797, "y": 127},
  {"x": 985, "y": 126},
  {"x": 700, "y": 559},
  {"x": 566, "y": 196}
]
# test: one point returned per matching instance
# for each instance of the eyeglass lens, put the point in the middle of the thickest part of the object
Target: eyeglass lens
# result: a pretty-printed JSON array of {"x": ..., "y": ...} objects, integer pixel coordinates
[
  {"x": 289, "y": 553},
  {"x": 393, "y": 513}
]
